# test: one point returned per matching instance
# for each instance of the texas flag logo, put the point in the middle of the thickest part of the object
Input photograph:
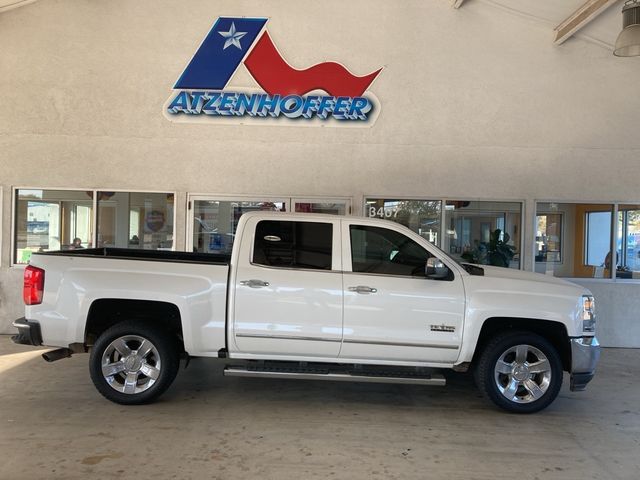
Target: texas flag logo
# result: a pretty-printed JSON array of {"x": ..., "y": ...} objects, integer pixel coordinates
[{"x": 325, "y": 93}]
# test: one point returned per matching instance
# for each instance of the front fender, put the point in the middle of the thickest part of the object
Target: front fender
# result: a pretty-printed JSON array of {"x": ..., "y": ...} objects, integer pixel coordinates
[{"x": 560, "y": 306}]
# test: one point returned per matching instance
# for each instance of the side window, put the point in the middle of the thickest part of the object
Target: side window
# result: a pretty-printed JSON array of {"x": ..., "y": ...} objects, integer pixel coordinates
[
  {"x": 293, "y": 244},
  {"x": 382, "y": 251}
]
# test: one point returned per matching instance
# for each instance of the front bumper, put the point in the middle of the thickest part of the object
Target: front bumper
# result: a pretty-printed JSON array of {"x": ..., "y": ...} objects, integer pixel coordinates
[
  {"x": 28, "y": 332},
  {"x": 585, "y": 352}
]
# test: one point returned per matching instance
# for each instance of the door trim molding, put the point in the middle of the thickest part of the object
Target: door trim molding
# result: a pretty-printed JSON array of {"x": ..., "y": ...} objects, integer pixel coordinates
[
  {"x": 287, "y": 337},
  {"x": 401, "y": 344}
]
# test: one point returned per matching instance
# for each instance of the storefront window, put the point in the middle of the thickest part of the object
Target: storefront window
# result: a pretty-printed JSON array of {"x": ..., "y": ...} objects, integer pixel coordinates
[
  {"x": 421, "y": 216},
  {"x": 135, "y": 220},
  {"x": 486, "y": 233},
  {"x": 628, "y": 244},
  {"x": 574, "y": 240},
  {"x": 215, "y": 222},
  {"x": 47, "y": 220}
]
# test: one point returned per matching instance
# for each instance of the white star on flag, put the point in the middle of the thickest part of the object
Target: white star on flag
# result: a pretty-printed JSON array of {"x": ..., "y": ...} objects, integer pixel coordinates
[{"x": 232, "y": 37}]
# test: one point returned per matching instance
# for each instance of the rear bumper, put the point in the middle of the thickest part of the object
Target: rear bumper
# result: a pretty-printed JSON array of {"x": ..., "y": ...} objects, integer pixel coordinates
[
  {"x": 28, "y": 332},
  {"x": 585, "y": 353}
]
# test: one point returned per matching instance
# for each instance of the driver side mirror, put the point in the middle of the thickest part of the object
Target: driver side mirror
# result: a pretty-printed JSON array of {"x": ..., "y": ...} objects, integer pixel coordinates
[{"x": 436, "y": 269}]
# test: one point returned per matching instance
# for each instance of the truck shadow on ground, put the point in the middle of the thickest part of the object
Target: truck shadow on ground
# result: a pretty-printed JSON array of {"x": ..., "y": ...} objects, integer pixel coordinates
[
  {"x": 202, "y": 384},
  {"x": 203, "y": 380}
]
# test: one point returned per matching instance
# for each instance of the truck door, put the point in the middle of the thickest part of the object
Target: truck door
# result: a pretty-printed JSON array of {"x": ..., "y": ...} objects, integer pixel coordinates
[
  {"x": 288, "y": 288},
  {"x": 392, "y": 311}
]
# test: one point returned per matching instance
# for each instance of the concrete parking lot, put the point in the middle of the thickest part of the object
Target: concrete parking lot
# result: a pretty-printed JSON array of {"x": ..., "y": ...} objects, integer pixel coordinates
[{"x": 54, "y": 424}]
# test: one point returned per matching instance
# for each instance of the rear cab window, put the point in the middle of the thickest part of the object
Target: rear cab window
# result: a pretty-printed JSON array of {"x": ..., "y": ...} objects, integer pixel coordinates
[{"x": 293, "y": 244}]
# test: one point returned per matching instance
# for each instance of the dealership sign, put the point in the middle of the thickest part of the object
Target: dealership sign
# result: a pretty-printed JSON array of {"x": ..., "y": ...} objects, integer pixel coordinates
[{"x": 325, "y": 93}]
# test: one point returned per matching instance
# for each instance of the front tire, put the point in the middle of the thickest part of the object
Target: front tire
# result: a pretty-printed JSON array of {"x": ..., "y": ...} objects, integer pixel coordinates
[
  {"x": 133, "y": 363},
  {"x": 520, "y": 372}
]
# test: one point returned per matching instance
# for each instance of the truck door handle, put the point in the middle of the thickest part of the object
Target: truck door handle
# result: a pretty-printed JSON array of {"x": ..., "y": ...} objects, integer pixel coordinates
[
  {"x": 254, "y": 283},
  {"x": 363, "y": 290}
]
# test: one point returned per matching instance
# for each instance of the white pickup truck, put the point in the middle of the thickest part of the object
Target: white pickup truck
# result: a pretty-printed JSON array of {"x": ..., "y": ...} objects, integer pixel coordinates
[{"x": 310, "y": 296}]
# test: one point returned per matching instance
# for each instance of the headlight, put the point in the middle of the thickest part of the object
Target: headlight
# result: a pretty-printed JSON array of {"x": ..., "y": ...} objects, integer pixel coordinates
[{"x": 588, "y": 314}]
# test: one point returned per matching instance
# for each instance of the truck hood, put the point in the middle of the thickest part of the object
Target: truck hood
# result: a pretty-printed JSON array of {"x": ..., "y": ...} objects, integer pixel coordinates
[{"x": 512, "y": 274}]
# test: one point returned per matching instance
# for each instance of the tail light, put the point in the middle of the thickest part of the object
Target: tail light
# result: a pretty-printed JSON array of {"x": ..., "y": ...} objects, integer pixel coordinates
[{"x": 33, "y": 285}]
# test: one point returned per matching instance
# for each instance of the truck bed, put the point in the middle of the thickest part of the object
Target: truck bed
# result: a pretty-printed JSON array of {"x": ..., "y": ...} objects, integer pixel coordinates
[{"x": 145, "y": 255}]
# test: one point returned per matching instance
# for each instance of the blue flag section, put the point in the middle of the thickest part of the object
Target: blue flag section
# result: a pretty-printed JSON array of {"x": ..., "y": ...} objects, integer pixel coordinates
[{"x": 220, "y": 54}]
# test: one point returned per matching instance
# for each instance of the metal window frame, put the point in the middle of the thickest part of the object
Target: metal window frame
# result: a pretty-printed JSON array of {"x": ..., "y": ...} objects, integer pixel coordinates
[
  {"x": 587, "y": 228},
  {"x": 443, "y": 202},
  {"x": 116, "y": 190},
  {"x": 614, "y": 231},
  {"x": 194, "y": 197},
  {"x": 562, "y": 234},
  {"x": 288, "y": 200},
  {"x": 15, "y": 189},
  {"x": 441, "y": 228}
]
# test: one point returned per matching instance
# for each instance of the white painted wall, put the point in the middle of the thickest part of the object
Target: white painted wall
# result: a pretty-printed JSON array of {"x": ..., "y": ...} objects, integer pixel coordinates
[
  {"x": 617, "y": 310},
  {"x": 477, "y": 103}
]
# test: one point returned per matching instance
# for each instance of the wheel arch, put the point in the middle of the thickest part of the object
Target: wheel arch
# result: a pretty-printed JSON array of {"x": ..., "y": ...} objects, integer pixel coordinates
[
  {"x": 106, "y": 312},
  {"x": 554, "y": 332}
]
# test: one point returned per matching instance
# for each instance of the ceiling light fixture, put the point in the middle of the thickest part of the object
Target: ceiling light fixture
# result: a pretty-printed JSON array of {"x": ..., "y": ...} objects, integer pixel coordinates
[{"x": 628, "y": 42}]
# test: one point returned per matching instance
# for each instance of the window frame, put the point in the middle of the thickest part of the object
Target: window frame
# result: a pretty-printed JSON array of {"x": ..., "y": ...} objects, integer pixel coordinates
[
  {"x": 624, "y": 254},
  {"x": 614, "y": 234},
  {"x": 94, "y": 206},
  {"x": 523, "y": 223},
  {"x": 288, "y": 200},
  {"x": 115, "y": 190},
  {"x": 195, "y": 197},
  {"x": 355, "y": 226},
  {"x": 443, "y": 202},
  {"x": 336, "y": 244},
  {"x": 441, "y": 227},
  {"x": 586, "y": 235},
  {"x": 295, "y": 267},
  {"x": 347, "y": 261},
  {"x": 561, "y": 240}
]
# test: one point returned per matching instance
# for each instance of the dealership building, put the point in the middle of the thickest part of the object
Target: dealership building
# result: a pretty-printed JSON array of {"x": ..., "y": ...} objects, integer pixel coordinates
[{"x": 155, "y": 125}]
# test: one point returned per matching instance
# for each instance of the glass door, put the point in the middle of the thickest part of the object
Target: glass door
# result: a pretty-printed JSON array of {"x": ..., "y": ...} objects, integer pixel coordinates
[{"x": 212, "y": 220}]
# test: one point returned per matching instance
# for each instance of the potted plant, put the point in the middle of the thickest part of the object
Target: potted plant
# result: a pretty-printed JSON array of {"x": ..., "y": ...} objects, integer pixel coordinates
[{"x": 496, "y": 251}]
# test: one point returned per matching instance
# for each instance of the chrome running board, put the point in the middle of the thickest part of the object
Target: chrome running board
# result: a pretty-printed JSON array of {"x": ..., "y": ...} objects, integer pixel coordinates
[{"x": 385, "y": 376}]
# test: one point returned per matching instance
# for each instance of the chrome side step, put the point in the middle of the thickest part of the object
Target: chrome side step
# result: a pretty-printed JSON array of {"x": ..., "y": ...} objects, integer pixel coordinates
[{"x": 336, "y": 376}]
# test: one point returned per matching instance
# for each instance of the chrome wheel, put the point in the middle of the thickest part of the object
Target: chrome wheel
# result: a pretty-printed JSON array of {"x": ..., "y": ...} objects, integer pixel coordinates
[
  {"x": 522, "y": 374},
  {"x": 131, "y": 364}
]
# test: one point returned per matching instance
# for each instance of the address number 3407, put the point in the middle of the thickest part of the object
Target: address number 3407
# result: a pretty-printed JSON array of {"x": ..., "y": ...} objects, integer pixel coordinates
[{"x": 383, "y": 213}]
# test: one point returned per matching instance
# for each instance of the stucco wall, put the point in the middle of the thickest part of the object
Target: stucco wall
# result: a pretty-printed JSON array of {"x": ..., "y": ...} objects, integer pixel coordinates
[
  {"x": 476, "y": 103},
  {"x": 618, "y": 312}
]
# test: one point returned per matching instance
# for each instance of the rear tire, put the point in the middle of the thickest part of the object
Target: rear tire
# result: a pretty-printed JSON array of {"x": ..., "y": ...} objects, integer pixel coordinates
[
  {"x": 519, "y": 372},
  {"x": 133, "y": 363}
]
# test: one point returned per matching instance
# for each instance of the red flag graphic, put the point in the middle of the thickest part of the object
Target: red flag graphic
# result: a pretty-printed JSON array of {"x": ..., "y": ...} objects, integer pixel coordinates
[{"x": 276, "y": 76}]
